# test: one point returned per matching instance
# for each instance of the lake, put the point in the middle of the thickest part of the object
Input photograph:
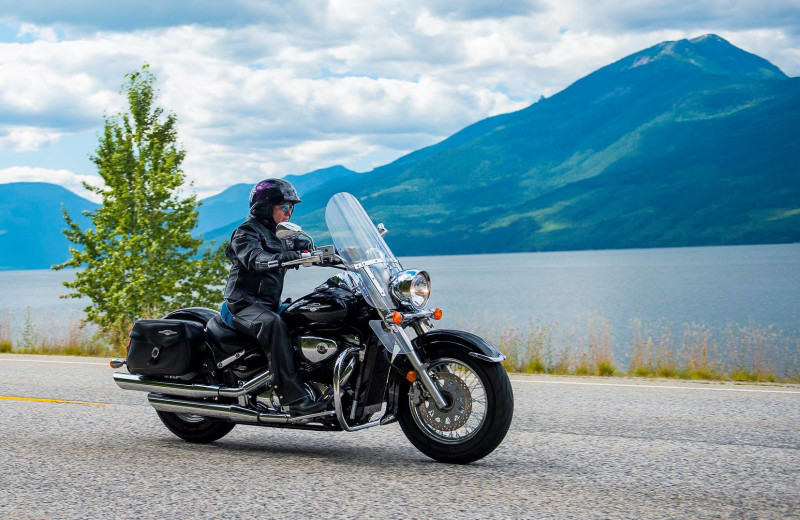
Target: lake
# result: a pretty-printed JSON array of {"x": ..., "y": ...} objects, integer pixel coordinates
[{"x": 717, "y": 286}]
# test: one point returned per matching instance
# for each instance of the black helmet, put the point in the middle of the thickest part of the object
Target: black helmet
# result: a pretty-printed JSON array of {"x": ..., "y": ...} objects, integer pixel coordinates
[{"x": 269, "y": 192}]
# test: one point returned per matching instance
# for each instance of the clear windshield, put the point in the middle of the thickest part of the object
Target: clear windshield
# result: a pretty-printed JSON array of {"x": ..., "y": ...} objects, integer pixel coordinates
[{"x": 362, "y": 248}]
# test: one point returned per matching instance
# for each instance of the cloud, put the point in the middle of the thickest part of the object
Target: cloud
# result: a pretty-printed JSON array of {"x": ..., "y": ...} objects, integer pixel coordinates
[
  {"x": 38, "y": 32},
  {"x": 652, "y": 15},
  {"x": 27, "y": 139},
  {"x": 65, "y": 178},
  {"x": 126, "y": 15},
  {"x": 482, "y": 9}
]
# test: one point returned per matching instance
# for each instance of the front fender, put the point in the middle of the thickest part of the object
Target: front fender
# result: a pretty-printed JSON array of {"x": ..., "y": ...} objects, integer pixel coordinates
[{"x": 475, "y": 345}]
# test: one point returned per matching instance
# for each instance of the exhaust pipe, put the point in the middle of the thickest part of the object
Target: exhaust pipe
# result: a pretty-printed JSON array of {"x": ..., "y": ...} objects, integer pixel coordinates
[
  {"x": 143, "y": 384},
  {"x": 230, "y": 413}
]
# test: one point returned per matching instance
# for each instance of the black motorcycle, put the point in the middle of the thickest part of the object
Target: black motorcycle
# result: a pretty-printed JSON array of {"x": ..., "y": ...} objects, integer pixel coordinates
[{"x": 364, "y": 340}]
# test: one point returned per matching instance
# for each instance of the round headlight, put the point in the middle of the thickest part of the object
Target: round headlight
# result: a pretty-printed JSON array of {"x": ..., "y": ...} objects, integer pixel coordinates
[{"x": 412, "y": 286}]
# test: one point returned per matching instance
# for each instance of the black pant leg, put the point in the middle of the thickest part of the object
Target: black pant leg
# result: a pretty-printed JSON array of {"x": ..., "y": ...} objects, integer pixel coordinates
[{"x": 272, "y": 334}]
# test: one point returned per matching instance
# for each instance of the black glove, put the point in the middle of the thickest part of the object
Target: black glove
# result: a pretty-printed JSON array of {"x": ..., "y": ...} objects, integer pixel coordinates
[
  {"x": 288, "y": 256},
  {"x": 263, "y": 262},
  {"x": 301, "y": 244}
]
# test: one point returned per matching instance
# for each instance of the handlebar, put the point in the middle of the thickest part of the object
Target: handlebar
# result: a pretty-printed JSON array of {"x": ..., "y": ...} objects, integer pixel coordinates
[
  {"x": 307, "y": 261},
  {"x": 323, "y": 256}
]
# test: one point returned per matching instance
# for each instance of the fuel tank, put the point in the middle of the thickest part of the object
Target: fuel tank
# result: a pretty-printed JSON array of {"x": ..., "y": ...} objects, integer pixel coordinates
[{"x": 327, "y": 306}]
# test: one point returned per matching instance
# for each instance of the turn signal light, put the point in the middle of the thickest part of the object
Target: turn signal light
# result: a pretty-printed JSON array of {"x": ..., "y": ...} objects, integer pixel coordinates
[
  {"x": 411, "y": 376},
  {"x": 437, "y": 313},
  {"x": 397, "y": 318}
]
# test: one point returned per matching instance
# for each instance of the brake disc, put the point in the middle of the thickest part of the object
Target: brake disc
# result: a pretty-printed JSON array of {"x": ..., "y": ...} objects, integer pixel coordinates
[{"x": 458, "y": 409}]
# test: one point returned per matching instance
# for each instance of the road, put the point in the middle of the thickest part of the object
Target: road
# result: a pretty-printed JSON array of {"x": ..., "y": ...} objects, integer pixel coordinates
[{"x": 578, "y": 448}]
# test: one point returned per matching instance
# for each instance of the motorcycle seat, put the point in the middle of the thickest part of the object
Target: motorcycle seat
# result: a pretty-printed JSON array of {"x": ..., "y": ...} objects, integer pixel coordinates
[{"x": 227, "y": 339}]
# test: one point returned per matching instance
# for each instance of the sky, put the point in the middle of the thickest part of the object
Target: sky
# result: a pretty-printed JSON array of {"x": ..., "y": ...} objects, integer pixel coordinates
[{"x": 269, "y": 88}]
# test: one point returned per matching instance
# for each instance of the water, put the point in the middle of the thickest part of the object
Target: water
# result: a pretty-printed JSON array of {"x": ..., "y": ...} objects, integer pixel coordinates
[{"x": 716, "y": 286}]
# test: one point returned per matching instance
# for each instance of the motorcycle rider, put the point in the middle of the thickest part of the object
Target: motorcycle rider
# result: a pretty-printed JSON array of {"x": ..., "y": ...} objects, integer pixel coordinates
[{"x": 253, "y": 292}]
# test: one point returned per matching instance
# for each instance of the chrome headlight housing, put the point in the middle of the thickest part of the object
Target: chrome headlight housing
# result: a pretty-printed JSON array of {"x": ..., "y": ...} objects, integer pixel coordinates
[{"x": 412, "y": 286}]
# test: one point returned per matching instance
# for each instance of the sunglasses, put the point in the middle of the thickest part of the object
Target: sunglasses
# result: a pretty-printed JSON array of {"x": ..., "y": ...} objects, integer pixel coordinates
[{"x": 286, "y": 207}]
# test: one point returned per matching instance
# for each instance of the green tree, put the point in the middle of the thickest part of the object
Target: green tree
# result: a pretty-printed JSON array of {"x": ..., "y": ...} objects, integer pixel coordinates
[{"x": 139, "y": 259}]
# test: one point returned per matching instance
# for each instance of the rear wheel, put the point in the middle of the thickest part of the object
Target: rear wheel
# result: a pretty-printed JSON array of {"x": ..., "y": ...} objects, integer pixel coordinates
[
  {"x": 194, "y": 428},
  {"x": 480, "y": 406}
]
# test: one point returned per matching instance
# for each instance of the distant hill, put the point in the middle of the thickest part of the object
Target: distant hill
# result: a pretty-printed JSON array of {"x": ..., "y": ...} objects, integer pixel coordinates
[
  {"x": 691, "y": 142},
  {"x": 31, "y": 222},
  {"x": 230, "y": 205}
]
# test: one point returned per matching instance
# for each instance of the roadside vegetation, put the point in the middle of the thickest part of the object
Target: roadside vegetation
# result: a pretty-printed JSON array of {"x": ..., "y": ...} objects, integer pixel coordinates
[
  {"x": 44, "y": 336},
  {"x": 736, "y": 352},
  {"x": 749, "y": 352}
]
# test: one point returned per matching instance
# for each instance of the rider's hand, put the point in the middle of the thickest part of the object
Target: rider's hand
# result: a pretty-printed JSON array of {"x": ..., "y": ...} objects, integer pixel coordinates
[
  {"x": 288, "y": 256},
  {"x": 301, "y": 244}
]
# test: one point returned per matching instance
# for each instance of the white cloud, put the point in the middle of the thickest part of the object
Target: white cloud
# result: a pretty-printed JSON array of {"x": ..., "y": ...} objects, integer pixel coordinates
[
  {"x": 27, "y": 139},
  {"x": 65, "y": 178},
  {"x": 47, "y": 34}
]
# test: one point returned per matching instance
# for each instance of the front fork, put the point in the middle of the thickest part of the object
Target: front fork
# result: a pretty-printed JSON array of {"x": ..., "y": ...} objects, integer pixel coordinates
[{"x": 395, "y": 339}]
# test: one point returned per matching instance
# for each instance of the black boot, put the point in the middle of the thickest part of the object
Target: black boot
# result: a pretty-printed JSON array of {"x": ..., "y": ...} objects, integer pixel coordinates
[{"x": 306, "y": 405}]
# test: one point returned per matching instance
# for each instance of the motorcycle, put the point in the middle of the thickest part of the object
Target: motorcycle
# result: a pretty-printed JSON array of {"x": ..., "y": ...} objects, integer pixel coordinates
[{"x": 364, "y": 340}]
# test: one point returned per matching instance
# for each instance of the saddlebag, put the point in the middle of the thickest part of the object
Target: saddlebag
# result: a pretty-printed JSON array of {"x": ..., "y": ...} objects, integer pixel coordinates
[{"x": 164, "y": 347}]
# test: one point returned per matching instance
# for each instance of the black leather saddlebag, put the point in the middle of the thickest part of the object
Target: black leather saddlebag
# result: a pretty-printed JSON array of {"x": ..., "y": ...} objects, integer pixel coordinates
[{"x": 164, "y": 347}]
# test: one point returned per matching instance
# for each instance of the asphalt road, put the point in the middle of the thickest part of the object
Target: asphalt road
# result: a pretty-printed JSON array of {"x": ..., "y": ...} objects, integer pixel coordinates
[{"x": 578, "y": 448}]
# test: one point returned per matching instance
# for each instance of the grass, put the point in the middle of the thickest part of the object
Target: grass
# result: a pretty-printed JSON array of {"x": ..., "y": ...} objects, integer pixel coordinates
[
  {"x": 750, "y": 353},
  {"x": 747, "y": 353},
  {"x": 34, "y": 337}
]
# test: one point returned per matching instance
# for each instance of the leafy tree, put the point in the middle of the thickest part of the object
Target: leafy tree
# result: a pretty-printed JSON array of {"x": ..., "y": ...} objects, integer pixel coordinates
[{"x": 139, "y": 258}]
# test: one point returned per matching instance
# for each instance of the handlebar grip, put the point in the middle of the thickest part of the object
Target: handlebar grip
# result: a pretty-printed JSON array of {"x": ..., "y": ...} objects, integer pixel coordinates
[{"x": 307, "y": 261}]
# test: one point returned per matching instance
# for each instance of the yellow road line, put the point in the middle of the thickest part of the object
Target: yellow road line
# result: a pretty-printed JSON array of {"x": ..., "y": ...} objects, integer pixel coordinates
[{"x": 8, "y": 398}]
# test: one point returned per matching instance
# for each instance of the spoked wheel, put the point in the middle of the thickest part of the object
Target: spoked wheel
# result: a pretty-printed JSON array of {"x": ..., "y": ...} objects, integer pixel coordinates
[
  {"x": 480, "y": 405},
  {"x": 195, "y": 428}
]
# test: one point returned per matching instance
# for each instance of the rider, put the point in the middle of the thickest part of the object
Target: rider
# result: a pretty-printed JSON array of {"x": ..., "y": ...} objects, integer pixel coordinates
[{"x": 253, "y": 292}]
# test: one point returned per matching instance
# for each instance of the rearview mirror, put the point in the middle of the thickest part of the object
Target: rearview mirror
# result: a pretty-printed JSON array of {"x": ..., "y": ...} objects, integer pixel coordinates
[
  {"x": 287, "y": 230},
  {"x": 382, "y": 229}
]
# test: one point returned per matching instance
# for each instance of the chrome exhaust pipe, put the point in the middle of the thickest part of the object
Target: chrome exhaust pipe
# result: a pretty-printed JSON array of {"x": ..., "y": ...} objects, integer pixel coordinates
[
  {"x": 216, "y": 411},
  {"x": 230, "y": 413},
  {"x": 143, "y": 384}
]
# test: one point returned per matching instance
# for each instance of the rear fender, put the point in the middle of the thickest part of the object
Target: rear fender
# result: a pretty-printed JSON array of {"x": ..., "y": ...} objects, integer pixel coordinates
[
  {"x": 475, "y": 345},
  {"x": 197, "y": 314}
]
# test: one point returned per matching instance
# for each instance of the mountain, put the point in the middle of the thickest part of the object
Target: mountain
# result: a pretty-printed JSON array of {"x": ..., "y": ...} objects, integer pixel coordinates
[
  {"x": 230, "y": 205},
  {"x": 31, "y": 222},
  {"x": 691, "y": 142}
]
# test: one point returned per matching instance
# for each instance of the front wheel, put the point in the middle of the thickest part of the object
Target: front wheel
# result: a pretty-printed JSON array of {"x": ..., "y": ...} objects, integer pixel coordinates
[
  {"x": 480, "y": 405},
  {"x": 194, "y": 428}
]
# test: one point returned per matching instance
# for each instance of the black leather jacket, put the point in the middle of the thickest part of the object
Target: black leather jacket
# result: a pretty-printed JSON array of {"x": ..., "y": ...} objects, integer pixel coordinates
[{"x": 252, "y": 241}]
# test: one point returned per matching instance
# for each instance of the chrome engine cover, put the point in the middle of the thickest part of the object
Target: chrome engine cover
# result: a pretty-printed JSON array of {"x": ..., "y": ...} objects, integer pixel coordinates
[{"x": 316, "y": 350}]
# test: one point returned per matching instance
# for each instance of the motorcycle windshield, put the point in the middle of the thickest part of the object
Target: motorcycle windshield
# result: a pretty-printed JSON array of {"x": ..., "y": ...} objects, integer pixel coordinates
[{"x": 362, "y": 248}]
